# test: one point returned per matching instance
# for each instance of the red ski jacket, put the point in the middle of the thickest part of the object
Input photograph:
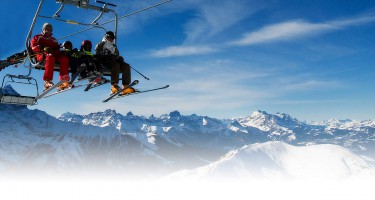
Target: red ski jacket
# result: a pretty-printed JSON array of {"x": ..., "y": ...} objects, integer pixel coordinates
[{"x": 40, "y": 41}]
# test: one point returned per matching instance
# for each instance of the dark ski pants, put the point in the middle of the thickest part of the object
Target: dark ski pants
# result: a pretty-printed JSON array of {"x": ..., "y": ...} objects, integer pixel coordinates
[
  {"x": 125, "y": 70},
  {"x": 116, "y": 68}
]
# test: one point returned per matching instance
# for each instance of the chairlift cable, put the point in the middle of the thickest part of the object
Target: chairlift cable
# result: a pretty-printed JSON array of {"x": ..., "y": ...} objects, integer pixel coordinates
[
  {"x": 125, "y": 16},
  {"x": 67, "y": 21}
]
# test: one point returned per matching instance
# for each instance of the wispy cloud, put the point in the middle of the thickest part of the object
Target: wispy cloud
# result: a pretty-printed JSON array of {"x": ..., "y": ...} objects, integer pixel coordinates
[
  {"x": 194, "y": 88},
  {"x": 209, "y": 18},
  {"x": 297, "y": 29},
  {"x": 284, "y": 31},
  {"x": 182, "y": 51},
  {"x": 215, "y": 16},
  {"x": 311, "y": 84}
]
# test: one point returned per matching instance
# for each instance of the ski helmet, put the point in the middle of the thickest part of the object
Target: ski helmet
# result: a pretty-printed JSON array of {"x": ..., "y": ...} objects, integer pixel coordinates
[
  {"x": 110, "y": 34},
  {"x": 86, "y": 45},
  {"x": 67, "y": 45}
]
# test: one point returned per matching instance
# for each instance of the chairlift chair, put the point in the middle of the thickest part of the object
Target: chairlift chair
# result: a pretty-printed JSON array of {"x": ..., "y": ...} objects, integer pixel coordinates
[{"x": 30, "y": 61}]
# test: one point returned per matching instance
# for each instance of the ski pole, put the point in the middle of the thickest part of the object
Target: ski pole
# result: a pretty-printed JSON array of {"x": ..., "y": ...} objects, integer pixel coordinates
[{"x": 139, "y": 73}]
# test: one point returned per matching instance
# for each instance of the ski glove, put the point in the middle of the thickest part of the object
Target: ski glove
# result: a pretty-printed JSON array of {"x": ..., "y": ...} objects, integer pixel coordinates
[
  {"x": 75, "y": 50},
  {"x": 47, "y": 50},
  {"x": 120, "y": 59}
]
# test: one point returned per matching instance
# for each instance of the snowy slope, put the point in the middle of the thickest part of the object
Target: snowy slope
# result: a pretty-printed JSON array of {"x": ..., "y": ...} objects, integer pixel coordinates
[
  {"x": 280, "y": 160},
  {"x": 31, "y": 139}
]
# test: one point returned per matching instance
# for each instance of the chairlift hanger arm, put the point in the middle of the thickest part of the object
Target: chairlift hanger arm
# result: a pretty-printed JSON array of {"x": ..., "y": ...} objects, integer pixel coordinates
[
  {"x": 82, "y": 4},
  {"x": 85, "y": 4},
  {"x": 102, "y": 2},
  {"x": 124, "y": 16},
  {"x": 57, "y": 14},
  {"x": 101, "y": 13}
]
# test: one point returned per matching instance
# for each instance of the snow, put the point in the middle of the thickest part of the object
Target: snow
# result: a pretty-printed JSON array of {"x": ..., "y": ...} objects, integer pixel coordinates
[
  {"x": 173, "y": 130},
  {"x": 204, "y": 122},
  {"x": 98, "y": 152},
  {"x": 234, "y": 129},
  {"x": 166, "y": 129},
  {"x": 108, "y": 187},
  {"x": 275, "y": 160}
]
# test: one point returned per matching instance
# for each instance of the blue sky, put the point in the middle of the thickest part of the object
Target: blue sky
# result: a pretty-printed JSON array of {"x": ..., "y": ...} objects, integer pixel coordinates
[{"x": 313, "y": 60}]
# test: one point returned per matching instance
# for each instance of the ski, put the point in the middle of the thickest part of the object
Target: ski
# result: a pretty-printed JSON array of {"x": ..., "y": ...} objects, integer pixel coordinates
[
  {"x": 135, "y": 82},
  {"x": 84, "y": 79},
  {"x": 4, "y": 64},
  {"x": 50, "y": 89},
  {"x": 67, "y": 89},
  {"x": 79, "y": 71},
  {"x": 100, "y": 83},
  {"x": 142, "y": 91},
  {"x": 74, "y": 86},
  {"x": 93, "y": 82}
]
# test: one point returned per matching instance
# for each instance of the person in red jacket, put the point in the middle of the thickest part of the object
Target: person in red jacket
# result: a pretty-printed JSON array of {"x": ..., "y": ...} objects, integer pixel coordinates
[{"x": 48, "y": 47}]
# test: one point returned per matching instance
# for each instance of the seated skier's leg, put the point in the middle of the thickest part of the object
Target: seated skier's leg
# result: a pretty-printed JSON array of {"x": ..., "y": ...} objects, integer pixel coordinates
[{"x": 126, "y": 77}]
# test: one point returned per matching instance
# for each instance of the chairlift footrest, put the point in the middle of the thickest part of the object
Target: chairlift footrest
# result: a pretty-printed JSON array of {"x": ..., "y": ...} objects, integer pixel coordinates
[{"x": 19, "y": 100}]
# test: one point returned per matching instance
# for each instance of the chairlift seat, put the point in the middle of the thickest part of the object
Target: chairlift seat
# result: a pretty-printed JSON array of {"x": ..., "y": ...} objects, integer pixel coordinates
[
  {"x": 40, "y": 66},
  {"x": 19, "y": 100}
]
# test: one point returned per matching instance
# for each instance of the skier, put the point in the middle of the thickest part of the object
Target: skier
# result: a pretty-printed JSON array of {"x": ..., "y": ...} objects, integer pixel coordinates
[
  {"x": 87, "y": 61},
  {"x": 108, "y": 54},
  {"x": 67, "y": 49},
  {"x": 48, "y": 47}
]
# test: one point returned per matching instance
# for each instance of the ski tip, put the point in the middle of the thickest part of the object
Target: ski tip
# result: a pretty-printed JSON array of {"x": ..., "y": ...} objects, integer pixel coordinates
[{"x": 135, "y": 81}]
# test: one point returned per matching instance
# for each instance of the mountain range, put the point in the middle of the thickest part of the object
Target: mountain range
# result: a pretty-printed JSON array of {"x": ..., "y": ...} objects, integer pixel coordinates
[
  {"x": 158, "y": 146},
  {"x": 227, "y": 134}
]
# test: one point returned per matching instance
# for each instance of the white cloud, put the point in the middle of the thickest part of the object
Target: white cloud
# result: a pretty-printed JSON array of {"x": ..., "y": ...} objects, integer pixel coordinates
[
  {"x": 208, "y": 17},
  {"x": 283, "y": 31},
  {"x": 195, "y": 87},
  {"x": 311, "y": 84},
  {"x": 297, "y": 29},
  {"x": 216, "y": 16},
  {"x": 182, "y": 51}
]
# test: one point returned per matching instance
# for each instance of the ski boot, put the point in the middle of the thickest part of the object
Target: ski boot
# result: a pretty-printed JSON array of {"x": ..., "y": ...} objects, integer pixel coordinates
[
  {"x": 47, "y": 85},
  {"x": 127, "y": 90},
  {"x": 63, "y": 86},
  {"x": 114, "y": 88}
]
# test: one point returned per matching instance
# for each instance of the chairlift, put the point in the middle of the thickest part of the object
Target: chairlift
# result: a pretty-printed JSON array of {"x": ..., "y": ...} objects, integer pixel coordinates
[
  {"x": 29, "y": 60},
  {"x": 28, "y": 57}
]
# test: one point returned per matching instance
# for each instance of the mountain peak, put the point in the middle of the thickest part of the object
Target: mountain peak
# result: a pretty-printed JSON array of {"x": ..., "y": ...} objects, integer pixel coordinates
[
  {"x": 110, "y": 112},
  {"x": 259, "y": 112},
  {"x": 8, "y": 90},
  {"x": 175, "y": 114}
]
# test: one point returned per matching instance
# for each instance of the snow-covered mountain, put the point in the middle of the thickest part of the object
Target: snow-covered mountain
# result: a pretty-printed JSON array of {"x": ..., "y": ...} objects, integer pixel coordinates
[
  {"x": 228, "y": 134},
  {"x": 109, "y": 140},
  {"x": 33, "y": 140},
  {"x": 280, "y": 160}
]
